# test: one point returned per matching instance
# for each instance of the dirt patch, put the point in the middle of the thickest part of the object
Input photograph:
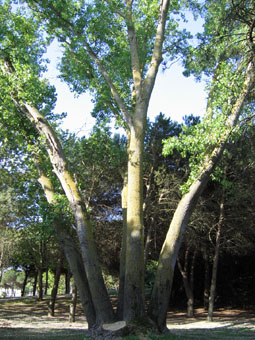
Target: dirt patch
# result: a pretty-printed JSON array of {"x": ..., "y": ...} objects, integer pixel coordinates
[{"x": 28, "y": 319}]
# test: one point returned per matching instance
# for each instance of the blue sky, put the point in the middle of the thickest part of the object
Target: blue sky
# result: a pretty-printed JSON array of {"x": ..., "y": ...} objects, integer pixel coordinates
[{"x": 173, "y": 94}]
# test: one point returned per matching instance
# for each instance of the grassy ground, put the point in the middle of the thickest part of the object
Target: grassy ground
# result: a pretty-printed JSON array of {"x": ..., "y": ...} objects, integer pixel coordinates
[{"x": 26, "y": 319}]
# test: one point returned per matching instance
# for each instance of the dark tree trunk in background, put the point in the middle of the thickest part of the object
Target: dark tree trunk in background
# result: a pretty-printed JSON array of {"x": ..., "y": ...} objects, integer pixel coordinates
[
  {"x": 24, "y": 283},
  {"x": 216, "y": 261},
  {"x": 51, "y": 306}
]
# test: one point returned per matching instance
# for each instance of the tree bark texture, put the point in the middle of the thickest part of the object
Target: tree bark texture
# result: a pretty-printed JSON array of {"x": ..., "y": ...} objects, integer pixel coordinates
[{"x": 134, "y": 269}]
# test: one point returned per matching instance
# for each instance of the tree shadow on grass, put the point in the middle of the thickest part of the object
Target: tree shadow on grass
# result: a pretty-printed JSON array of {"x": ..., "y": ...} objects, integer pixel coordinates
[{"x": 41, "y": 333}]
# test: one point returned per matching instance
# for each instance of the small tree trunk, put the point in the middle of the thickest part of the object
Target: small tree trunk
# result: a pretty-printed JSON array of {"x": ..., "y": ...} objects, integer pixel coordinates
[
  {"x": 67, "y": 281},
  {"x": 40, "y": 283},
  {"x": 35, "y": 283},
  {"x": 206, "y": 281},
  {"x": 148, "y": 241},
  {"x": 188, "y": 276},
  {"x": 215, "y": 262},
  {"x": 51, "y": 306},
  {"x": 72, "y": 310},
  {"x": 46, "y": 282},
  {"x": 120, "y": 306},
  {"x": 24, "y": 283}
]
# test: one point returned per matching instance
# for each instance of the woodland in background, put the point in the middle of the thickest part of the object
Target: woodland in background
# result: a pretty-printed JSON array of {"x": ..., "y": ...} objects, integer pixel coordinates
[{"x": 106, "y": 201}]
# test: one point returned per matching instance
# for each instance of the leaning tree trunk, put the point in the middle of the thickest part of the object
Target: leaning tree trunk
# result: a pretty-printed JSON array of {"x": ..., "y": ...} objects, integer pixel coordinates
[
  {"x": 167, "y": 260},
  {"x": 72, "y": 254},
  {"x": 101, "y": 300},
  {"x": 216, "y": 261}
]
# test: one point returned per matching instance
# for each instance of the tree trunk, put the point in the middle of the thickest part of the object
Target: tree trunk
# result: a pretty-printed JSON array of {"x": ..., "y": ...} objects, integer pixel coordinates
[
  {"x": 206, "y": 281},
  {"x": 67, "y": 281},
  {"x": 188, "y": 277},
  {"x": 40, "y": 283},
  {"x": 134, "y": 274},
  {"x": 51, "y": 306},
  {"x": 72, "y": 254},
  {"x": 75, "y": 262},
  {"x": 24, "y": 283},
  {"x": 121, "y": 291},
  {"x": 72, "y": 310},
  {"x": 46, "y": 282},
  {"x": 101, "y": 300},
  {"x": 35, "y": 283},
  {"x": 167, "y": 260},
  {"x": 215, "y": 261}
]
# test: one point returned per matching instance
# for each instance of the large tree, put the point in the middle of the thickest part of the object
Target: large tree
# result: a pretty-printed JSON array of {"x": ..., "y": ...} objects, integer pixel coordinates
[{"x": 115, "y": 49}]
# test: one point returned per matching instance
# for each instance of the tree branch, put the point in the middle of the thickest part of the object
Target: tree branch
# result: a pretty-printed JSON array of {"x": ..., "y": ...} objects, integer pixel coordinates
[{"x": 157, "y": 52}]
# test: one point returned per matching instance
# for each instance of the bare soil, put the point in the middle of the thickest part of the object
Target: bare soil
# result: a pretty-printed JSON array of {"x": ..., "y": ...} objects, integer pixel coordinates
[{"x": 28, "y": 319}]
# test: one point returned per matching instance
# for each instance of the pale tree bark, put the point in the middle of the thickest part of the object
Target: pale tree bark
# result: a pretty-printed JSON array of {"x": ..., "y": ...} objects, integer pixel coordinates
[
  {"x": 216, "y": 260},
  {"x": 73, "y": 304},
  {"x": 72, "y": 254},
  {"x": 98, "y": 290},
  {"x": 101, "y": 300},
  {"x": 134, "y": 274},
  {"x": 134, "y": 301},
  {"x": 167, "y": 260}
]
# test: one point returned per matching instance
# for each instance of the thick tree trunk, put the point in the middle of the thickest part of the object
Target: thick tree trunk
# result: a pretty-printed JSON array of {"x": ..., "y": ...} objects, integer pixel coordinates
[
  {"x": 215, "y": 262},
  {"x": 51, "y": 306},
  {"x": 167, "y": 260},
  {"x": 134, "y": 274}
]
